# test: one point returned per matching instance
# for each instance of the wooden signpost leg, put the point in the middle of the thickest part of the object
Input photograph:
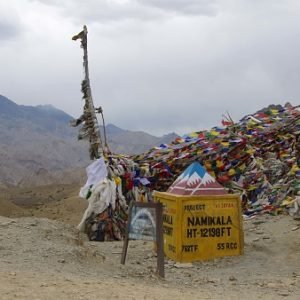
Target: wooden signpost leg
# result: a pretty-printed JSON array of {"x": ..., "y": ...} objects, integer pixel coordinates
[
  {"x": 126, "y": 239},
  {"x": 124, "y": 251},
  {"x": 160, "y": 242}
]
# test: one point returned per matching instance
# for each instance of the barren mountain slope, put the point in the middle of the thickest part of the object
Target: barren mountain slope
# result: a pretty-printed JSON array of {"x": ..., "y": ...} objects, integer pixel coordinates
[{"x": 38, "y": 147}]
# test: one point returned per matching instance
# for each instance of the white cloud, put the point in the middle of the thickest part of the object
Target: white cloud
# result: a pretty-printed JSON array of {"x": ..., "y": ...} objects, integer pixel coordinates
[
  {"x": 10, "y": 25},
  {"x": 155, "y": 65},
  {"x": 190, "y": 7},
  {"x": 118, "y": 10}
]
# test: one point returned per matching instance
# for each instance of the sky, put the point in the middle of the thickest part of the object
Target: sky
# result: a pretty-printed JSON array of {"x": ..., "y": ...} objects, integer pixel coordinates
[{"x": 158, "y": 66}]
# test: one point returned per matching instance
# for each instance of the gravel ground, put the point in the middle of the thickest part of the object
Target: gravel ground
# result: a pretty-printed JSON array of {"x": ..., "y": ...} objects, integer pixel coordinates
[{"x": 48, "y": 259}]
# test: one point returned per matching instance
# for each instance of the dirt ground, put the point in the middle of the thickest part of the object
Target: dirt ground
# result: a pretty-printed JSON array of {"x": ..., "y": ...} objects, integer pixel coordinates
[{"x": 44, "y": 257}]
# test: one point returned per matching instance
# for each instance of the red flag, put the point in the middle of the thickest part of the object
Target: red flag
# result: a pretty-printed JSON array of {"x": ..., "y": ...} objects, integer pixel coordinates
[{"x": 226, "y": 123}]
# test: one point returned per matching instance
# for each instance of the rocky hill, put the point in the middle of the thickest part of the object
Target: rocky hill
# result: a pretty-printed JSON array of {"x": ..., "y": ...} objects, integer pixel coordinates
[{"x": 37, "y": 145}]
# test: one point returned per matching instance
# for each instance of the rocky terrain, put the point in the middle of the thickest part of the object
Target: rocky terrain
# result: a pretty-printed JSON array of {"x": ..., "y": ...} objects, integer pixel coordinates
[{"x": 44, "y": 257}]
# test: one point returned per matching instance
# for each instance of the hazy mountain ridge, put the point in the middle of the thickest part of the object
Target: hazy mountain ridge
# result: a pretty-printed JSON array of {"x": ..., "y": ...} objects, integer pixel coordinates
[
  {"x": 37, "y": 145},
  {"x": 126, "y": 141}
]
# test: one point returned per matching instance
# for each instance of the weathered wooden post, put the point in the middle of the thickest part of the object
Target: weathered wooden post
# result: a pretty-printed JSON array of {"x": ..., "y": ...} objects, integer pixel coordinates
[{"x": 90, "y": 129}]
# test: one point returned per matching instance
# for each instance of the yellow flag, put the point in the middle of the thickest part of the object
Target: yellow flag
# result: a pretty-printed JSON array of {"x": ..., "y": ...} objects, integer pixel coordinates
[
  {"x": 250, "y": 151},
  {"x": 193, "y": 134},
  {"x": 274, "y": 111},
  {"x": 219, "y": 163},
  {"x": 231, "y": 172},
  {"x": 214, "y": 133},
  {"x": 225, "y": 144},
  {"x": 242, "y": 167},
  {"x": 118, "y": 180}
]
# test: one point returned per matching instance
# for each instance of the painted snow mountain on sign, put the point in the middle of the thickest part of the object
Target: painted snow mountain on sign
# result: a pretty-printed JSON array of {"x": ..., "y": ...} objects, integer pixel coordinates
[{"x": 195, "y": 180}]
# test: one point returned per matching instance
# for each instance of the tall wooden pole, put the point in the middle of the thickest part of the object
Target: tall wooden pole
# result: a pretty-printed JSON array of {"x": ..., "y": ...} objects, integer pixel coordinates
[{"x": 91, "y": 126}]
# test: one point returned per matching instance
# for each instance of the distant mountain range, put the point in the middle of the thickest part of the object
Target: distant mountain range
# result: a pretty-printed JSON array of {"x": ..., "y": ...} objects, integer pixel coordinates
[{"x": 37, "y": 145}]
